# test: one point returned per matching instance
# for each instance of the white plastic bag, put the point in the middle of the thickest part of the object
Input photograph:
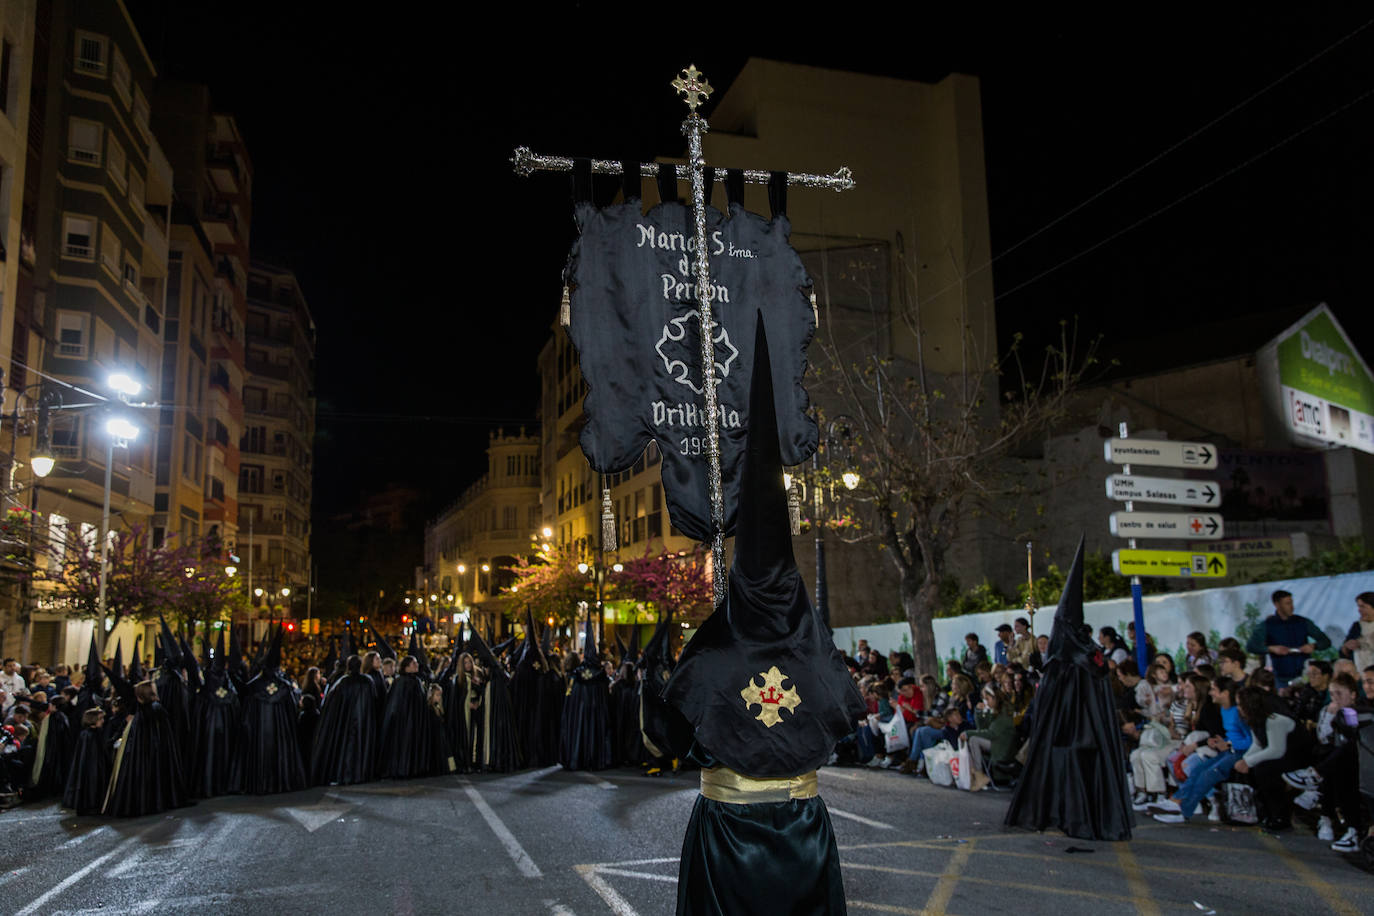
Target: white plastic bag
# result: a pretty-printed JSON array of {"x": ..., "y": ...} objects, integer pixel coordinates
[
  {"x": 937, "y": 764},
  {"x": 961, "y": 766},
  {"x": 894, "y": 731}
]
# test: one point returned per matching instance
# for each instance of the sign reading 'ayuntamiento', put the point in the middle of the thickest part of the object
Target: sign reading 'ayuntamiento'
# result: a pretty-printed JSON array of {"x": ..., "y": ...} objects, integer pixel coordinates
[{"x": 635, "y": 324}]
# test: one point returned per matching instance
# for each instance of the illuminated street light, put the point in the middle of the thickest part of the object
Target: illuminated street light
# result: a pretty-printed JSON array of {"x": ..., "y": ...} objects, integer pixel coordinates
[
  {"x": 618, "y": 567},
  {"x": 450, "y": 599},
  {"x": 120, "y": 428},
  {"x": 486, "y": 567},
  {"x": 190, "y": 571},
  {"x": 433, "y": 598},
  {"x": 851, "y": 480},
  {"x": 231, "y": 570},
  {"x": 257, "y": 592},
  {"x": 582, "y": 568},
  {"x": 286, "y": 592},
  {"x": 407, "y": 601},
  {"x": 548, "y": 532},
  {"x": 125, "y": 384},
  {"x": 41, "y": 460}
]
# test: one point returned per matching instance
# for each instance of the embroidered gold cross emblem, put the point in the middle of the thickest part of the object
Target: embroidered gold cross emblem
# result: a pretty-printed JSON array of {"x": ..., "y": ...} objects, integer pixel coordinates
[
  {"x": 771, "y": 697},
  {"x": 271, "y": 689}
]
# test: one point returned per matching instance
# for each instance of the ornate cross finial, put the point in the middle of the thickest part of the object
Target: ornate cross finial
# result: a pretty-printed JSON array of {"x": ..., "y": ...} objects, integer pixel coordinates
[{"x": 693, "y": 87}]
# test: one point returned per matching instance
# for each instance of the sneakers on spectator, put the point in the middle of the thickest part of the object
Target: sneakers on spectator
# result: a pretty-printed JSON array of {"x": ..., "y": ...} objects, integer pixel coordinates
[
  {"x": 1164, "y": 806},
  {"x": 1303, "y": 779},
  {"x": 834, "y": 758},
  {"x": 1213, "y": 811},
  {"x": 1142, "y": 801},
  {"x": 1308, "y": 799},
  {"x": 876, "y": 762},
  {"x": 1324, "y": 831},
  {"x": 1349, "y": 841},
  {"x": 1171, "y": 818}
]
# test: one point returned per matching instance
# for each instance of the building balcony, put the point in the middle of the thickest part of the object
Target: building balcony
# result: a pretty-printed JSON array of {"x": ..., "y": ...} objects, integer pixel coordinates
[
  {"x": 221, "y": 223},
  {"x": 154, "y": 244},
  {"x": 224, "y": 169},
  {"x": 268, "y": 370}
]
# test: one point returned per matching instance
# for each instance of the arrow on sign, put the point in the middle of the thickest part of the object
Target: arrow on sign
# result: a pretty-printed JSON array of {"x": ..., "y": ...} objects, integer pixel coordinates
[
  {"x": 1212, "y": 525},
  {"x": 1206, "y": 454},
  {"x": 1210, "y": 494},
  {"x": 1215, "y": 566}
]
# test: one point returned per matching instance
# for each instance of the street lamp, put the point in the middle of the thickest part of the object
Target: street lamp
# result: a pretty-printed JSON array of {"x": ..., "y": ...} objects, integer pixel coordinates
[
  {"x": 837, "y": 437},
  {"x": 119, "y": 431}
]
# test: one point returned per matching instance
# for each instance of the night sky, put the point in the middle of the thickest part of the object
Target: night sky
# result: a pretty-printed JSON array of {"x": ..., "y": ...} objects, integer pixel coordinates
[{"x": 380, "y": 158}]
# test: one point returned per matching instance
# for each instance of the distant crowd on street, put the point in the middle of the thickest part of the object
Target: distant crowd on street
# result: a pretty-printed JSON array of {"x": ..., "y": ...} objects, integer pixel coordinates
[{"x": 1245, "y": 733}]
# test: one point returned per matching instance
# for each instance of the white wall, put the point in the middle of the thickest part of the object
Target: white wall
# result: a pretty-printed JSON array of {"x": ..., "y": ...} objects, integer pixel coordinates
[{"x": 1328, "y": 601}]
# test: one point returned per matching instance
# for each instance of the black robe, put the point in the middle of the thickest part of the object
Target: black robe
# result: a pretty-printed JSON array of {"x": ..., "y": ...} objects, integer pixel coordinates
[
  {"x": 214, "y": 738},
  {"x": 408, "y": 738},
  {"x": 175, "y": 697},
  {"x": 147, "y": 775},
  {"x": 455, "y": 720},
  {"x": 492, "y": 746},
  {"x": 525, "y": 705},
  {"x": 629, "y": 740},
  {"x": 553, "y": 689},
  {"x": 346, "y": 740},
  {"x": 89, "y": 776},
  {"x": 52, "y": 757},
  {"x": 585, "y": 741},
  {"x": 268, "y": 758}
]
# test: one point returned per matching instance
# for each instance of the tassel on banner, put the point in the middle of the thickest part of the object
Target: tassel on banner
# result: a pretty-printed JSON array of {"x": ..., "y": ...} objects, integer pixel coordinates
[
  {"x": 794, "y": 509},
  {"x": 607, "y": 522},
  {"x": 815, "y": 311},
  {"x": 565, "y": 308}
]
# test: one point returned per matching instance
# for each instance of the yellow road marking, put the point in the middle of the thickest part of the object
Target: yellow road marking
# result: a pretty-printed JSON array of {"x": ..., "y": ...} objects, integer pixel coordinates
[
  {"x": 885, "y": 908},
  {"x": 1135, "y": 880},
  {"x": 1317, "y": 883},
  {"x": 992, "y": 882},
  {"x": 944, "y": 888}
]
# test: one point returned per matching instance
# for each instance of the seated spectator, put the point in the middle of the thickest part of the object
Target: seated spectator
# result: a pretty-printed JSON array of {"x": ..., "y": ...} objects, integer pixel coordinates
[
  {"x": 982, "y": 673},
  {"x": 1197, "y": 651},
  {"x": 1002, "y": 647},
  {"x": 1288, "y": 638},
  {"x": 1280, "y": 745},
  {"x": 1203, "y": 719},
  {"x": 1310, "y": 698},
  {"x": 962, "y": 696},
  {"x": 993, "y": 742},
  {"x": 1150, "y": 650},
  {"x": 883, "y": 694},
  {"x": 1113, "y": 647},
  {"x": 927, "y": 736},
  {"x": 900, "y": 664},
  {"x": 1207, "y": 671},
  {"x": 1040, "y": 658},
  {"x": 1166, "y": 660},
  {"x": 1231, "y": 664},
  {"x": 1358, "y": 645},
  {"x": 874, "y": 664},
  {"x": 974, "y": 653},
  {"x": 935, "y": 698},
  {"x": 952, "y": 668},
  {"x": 1210, "y": 771},
  {"x": 1264, "y": 679},
  {"x": 1023, "y": 645}
]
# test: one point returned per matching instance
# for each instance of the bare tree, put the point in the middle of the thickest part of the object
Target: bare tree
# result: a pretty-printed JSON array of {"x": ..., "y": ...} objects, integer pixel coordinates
[{"x": 934, "y": 449}]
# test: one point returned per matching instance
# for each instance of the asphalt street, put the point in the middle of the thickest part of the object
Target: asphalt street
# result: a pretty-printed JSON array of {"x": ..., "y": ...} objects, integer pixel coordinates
[{"x": 559, "y": 843}]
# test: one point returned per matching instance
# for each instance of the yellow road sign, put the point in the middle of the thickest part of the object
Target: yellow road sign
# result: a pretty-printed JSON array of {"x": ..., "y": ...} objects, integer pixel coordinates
[{"x": 1179, "y": 564}]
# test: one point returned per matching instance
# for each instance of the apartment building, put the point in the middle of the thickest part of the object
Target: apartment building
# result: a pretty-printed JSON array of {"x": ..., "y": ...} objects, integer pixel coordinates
[
  {"x": 204, "y": 352},
  {"x": 276, "y": 448},
  {"x": 93, "y": 283},
  {"x": 483, "y": 532}
]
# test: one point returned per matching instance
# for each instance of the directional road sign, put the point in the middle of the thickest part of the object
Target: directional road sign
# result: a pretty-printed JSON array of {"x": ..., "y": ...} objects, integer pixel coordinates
[
  {"x": 1203, "y": 526},
  {"x": 1164, "y": 453},
  {"x": 1163, "y": 490},
  {"x": 1183, "y": 564}
]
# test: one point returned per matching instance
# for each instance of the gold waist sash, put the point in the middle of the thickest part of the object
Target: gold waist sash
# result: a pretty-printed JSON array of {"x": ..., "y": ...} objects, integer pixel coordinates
[{"x": 725, "y": 785}]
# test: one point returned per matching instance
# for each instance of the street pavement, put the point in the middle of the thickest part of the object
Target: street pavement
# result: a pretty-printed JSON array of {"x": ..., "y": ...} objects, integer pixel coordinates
[{"x": 586, "y": 844}]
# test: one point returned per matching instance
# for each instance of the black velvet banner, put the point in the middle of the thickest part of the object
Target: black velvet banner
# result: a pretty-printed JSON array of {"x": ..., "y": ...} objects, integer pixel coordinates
[{"x": 636, "y": 328}]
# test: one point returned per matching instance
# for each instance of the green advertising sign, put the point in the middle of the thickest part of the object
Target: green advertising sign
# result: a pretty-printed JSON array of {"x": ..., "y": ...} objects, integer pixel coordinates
[{"x": 1318, "y": 359}]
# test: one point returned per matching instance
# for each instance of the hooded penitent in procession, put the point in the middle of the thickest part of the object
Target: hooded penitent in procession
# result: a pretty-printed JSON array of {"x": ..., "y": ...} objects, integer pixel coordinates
[
  {"x": 766, "y": 694},
  {"x": 634, "y": 321},
  {"x": 585, "y": 741},
  {"x": 214, "y": 730},
  {"x": 268, "y": 758},
  {"x": 1075, "y": 774}
]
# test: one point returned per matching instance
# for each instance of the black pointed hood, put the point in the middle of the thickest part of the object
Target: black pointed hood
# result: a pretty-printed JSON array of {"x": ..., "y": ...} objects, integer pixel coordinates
[
  {"x": 530, "y": 654},
  {"x": 384, "y": 649},
  {"x": 218, "y": 663},
  {"x": 459, "y": 637},
  {"x": 271, "y": 660},
  {"x": 1071, "y": 640},
  {"x": 235, "y": 660},
  {"x": 118, "y": 663},
  {"x": 765, "y": 689},
  {"x": 633, "y": 655},
  {"x": 417, "y": 651},
  {"x": 620, "y": 648},
  {"x": 136, "y": 672},
  {"x": 589, "y": 653},
  {"x": 95, "y": 674},
  {"x": 546, "y": 641}
]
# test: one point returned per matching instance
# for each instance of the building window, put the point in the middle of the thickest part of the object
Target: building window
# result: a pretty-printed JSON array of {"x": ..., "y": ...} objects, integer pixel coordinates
[
  {"x": 83, "y": 141},
  {"x": 78, "y": 237},
  {"x": 6, "y": 64},
  {"x": 119, "y": 76},
  {"x": 131, "y": 278},
  {"x": 254, "y": 398},
  {"x": 136, "y": 192},
  {"x": 250, "y": 478},
  {"x": 72, "y": 341},
  {"x": 66, "y": 435},
  {"x": 116, "y": 163},
  {"x": 90, "y": 53},
  {"x": 110, "y": 249},
  {"x": 509, "y": 517},
  {"x": 141, "y": 112},
  {"x": 57, "y": 538}
]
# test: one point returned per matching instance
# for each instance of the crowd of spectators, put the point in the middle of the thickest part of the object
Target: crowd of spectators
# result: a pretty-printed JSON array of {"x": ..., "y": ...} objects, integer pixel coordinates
[{"x": 1246, "y": 733}]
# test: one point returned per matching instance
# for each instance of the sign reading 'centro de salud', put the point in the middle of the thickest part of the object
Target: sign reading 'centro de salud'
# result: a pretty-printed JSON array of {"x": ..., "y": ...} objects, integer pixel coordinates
[
  {"x": 634, "y": 322},
  {"x": 1322, "y": 387}
]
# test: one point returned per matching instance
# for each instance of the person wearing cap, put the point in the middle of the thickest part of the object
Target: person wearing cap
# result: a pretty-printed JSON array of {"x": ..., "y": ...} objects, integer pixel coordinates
[
  {"x": 763, "y": 696},
  {"x": 1003, "y": 644}
]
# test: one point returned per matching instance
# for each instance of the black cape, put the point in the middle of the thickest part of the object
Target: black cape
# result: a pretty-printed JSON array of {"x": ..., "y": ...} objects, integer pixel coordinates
[
  {"x": 346, "y": 740},
  {"x": 585, "y": 741},
  {"x": 1075, "y": 773},
  {"x": 54, "y": 744},
  {"x": 455, "y": 717},
  {"x": 408, "y": 740},
  {"x": 492, "y": 743},
  {"x": 268, "y": 758},
  {"x": 147, "y": 775},
  {"x": 215, "y": 727},
  {"x": 89, "y": 776}
]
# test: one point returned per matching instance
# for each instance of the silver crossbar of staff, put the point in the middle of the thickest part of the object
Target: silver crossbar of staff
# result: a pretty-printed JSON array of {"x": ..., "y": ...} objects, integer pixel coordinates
[{"x": 527, "y": 162}]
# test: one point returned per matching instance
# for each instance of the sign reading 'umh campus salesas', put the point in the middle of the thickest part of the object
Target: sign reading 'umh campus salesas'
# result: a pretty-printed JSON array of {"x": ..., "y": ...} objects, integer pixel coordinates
[{"x": 1323, "y": 388}]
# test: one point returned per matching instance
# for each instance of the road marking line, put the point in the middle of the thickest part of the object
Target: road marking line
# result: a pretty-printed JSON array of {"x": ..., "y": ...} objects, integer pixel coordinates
[
  {"x": 80, "y": 873},
  {"x": 6, "y": 879},
  {"x": 596, "y": 780},
  {"x": 80, "y": 838},
  {"x": 885, "y": 908},
  {"x": 828, "y": 771},
  {"x": 600, "y": 865},
  {"x": 991, "y": 882},
  {"x": 944, "y": 888},
  {"x": 862, "y": 820},
  {"x": 558, "y": 909},
  {"x": 618, "y": 904},
  {"x": 646, "y": 875},
  {"x": 522, "y": 859},
  {"x": 1135, "y": 880},
  {"x": 128, "y": 865},
  {"x": 1323, "y": 887}
]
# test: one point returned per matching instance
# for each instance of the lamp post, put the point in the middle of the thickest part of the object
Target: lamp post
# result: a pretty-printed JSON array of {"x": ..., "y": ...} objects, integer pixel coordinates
[{"x": 837, "y": 437}]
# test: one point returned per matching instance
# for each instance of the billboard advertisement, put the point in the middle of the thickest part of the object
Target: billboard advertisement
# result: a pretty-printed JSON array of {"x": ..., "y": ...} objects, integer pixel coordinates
[{"x": 1325, "y": 390}]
